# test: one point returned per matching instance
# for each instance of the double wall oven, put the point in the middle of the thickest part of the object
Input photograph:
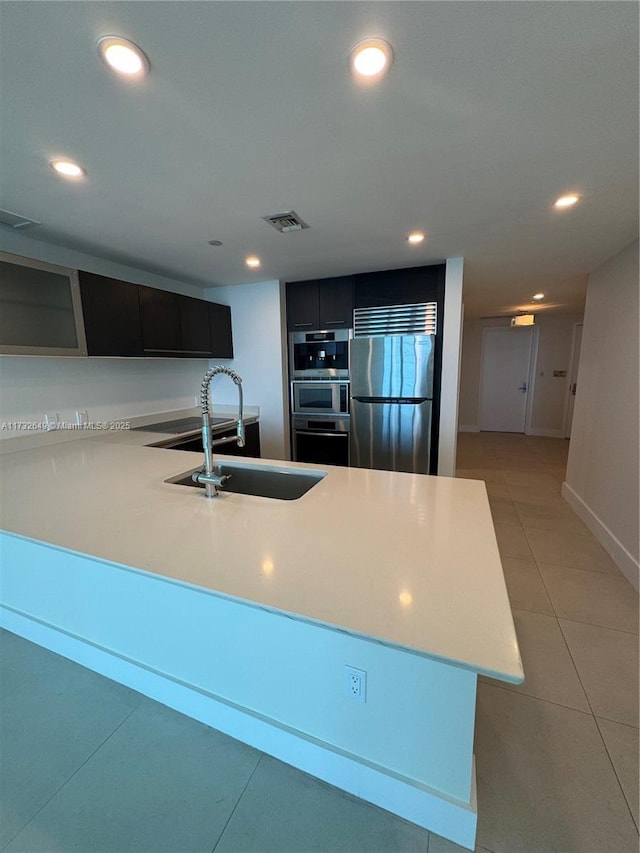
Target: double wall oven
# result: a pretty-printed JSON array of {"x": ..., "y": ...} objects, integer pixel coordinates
[{"x": 319, "y": 371}]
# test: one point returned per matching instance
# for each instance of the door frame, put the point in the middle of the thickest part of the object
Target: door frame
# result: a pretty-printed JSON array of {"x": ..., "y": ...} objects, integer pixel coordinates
[
  {"x": 531, "y": 373},
  {"x": 567, "y": 392}
]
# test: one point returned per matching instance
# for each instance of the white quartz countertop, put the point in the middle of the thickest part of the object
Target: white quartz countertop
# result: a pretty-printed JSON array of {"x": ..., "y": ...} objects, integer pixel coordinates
[{"x": 408, "y": 560}]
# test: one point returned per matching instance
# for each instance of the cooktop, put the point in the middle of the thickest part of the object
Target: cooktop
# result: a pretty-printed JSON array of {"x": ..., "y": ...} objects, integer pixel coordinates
[{"x": 182, "y": 425}]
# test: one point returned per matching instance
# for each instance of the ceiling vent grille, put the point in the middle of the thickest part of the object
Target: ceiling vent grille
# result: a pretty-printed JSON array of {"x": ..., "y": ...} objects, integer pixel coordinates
[
  {"x": 419, "y": 319},
  {"x": 16, "y": 222},
  {"x": 285, "y": 222}
]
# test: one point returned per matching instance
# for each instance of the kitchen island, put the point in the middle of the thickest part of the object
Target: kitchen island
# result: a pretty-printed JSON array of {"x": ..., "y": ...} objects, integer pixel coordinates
[{"x": 244, "y": 612}]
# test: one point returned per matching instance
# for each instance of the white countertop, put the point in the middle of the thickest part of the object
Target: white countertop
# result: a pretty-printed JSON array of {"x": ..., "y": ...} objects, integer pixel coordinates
[{"x": 408, "y": 560}]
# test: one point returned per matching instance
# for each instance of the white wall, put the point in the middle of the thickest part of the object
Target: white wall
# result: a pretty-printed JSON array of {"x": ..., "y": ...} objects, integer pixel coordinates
[
  {"x": 554, "y": 334},
  {"x": 259, "y": 349},
  {"x": 602, "y": 472}
]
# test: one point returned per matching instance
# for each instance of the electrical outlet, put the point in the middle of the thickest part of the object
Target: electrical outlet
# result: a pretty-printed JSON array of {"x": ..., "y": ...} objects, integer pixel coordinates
[
  {"x": 82, "y": 417},
  {"x": 355, "y": 684},
  {"x": 51, "y": 420},
  {"x": 196, "y": 400}
]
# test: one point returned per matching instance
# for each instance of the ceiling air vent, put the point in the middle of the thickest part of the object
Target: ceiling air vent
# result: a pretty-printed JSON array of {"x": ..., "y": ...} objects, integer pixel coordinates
[
  {"x": 285, "y": 222},
  {"x": 16, "y": 222}
]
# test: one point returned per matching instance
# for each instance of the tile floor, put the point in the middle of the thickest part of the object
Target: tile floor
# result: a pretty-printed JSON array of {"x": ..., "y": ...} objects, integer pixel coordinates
[{"x": 87, "y": 765}]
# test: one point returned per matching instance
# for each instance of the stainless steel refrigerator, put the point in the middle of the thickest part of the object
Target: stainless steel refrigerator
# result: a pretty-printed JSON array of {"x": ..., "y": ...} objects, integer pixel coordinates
[{"x": 391, "y": 401}]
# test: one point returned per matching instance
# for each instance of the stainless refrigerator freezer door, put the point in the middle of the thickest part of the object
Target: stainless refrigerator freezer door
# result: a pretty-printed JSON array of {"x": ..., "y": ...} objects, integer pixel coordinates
[
  {"x": 394, "y": 366},
  {"x": 391, "y": 436}
]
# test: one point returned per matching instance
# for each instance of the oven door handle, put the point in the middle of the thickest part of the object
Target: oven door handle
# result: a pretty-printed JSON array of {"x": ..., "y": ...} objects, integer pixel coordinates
[{"x": 327, "y": 434}]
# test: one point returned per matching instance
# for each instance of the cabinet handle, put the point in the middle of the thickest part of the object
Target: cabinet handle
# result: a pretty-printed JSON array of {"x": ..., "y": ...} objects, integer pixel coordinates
[
  {"x": 334, "y": 322},
  {"x": 303, "y": 324},
  {"x": 181, "y": 351}
]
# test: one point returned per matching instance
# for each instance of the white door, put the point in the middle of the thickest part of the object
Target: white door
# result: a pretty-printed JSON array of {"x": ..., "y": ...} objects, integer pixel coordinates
[
  {"x": 573, "y": 378},
  {"x": 504, "y": 378}
]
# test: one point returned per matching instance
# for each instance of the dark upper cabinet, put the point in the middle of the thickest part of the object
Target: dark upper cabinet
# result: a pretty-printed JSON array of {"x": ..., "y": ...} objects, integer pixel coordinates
[
  {"x": 399, "y": 287},
  {"x": 303, "y": 308},
  {"x": 221, "y": 335},
  {"x": 324, "y": 304},
  {"x": 161, "y": 322},
  {"x": 335, "y": 296},
  {"x": 125, "y": 319},
  {"x": 111, "y": 315},
  {"x": 195, "y": 327}
]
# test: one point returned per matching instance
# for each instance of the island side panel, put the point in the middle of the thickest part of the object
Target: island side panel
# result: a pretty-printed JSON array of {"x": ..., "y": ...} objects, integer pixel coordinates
[{"x": 415, "y": 725}]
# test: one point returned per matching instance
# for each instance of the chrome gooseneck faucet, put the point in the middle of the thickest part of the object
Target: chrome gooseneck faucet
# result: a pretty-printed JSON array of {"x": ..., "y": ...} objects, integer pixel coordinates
[{"x": 207, "y": 477}]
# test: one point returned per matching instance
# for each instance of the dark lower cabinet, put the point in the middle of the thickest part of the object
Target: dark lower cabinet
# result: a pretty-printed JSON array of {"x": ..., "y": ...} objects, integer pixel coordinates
[
  {"x": 111, "y": 316},
  {"x": 251, "y": 442}
]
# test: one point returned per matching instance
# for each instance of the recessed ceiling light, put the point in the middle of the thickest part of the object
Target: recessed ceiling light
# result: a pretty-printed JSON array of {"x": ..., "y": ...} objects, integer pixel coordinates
[
  {"x": 538, "y": 296},
  {"x": 68, "y": 168},
  {"x": 567, "y": 200},
  {"x": 371, "y": 58},
  {"x": 123, "y": 56},
  {"x": 252, "y": 261},
  {"x": 415, "y": 237},
  {"x": 215, "y": 242}
]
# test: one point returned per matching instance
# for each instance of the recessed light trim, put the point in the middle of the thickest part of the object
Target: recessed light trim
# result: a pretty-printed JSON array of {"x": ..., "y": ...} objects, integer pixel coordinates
[
  {"x": 415, "y": 237},
  {"x": 67, "y": 168},
  {"x": 123, "y": 56},
  {"x": 538, "y": 296},
  {"x": 252, "y": 261},
  {"x": 370, "y": 59},
  {"x": 215, "y": 242},
  {"x": 567, "y": 200}
]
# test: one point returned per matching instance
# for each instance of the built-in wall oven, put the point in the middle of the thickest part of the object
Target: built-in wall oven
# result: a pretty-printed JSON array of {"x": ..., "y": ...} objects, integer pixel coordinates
[{"x": 320, "y": 439}]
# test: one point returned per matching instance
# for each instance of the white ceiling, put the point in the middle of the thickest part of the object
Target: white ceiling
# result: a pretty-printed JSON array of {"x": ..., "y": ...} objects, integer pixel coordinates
[{"x": 491, "y": 110}]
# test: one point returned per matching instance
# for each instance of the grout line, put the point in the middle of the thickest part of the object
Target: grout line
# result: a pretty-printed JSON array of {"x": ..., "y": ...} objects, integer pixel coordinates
[
  {"x": 616, "y": 772},
  {"x": 603, "y": 627},
  {"x": 233, "y": 810},
  {"x": 75, "y": 772},
  {"x": 537, "y": 698}
]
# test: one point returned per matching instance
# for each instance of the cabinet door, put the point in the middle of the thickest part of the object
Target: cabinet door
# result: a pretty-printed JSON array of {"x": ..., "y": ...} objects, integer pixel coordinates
[
  {"x": 194, "y": 327},
  {"x": 251, "y": 442},
  {"x": 221, "y": 334},
  {"x": 302, "y": 306},
  {"x": 336, "y": 303},
  {"x": 111, "y": 315},
  {"x": 398, "y": 287},
  {"x": 161, "y": 326}
]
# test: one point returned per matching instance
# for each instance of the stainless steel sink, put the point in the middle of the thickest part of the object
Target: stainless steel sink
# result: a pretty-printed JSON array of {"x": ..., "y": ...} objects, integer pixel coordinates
[{"x": 284, "y": 484}]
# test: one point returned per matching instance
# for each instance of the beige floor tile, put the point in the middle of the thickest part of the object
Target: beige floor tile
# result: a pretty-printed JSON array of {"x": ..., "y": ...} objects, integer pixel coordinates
[
  {"x": 564, "y": 548},
  {"x": 503, "y": 511},
  {"x": 437, "y": 844},
  {"x": 607, "y": 663},
  {"x": 525, "y": 587},
  {"x": 545, "y": 781},
  {"x": 556, "y": 515},
  {"x": 489, "y": 475},
  {"x": 533, "y": 479},
  {"x": 536, "y": 494},
  {"x": 600, "y": 599},
  {"x": 548, "y": 668},
  {"x": 622, "y": 745},
  {"x": 511, "y": 541}
]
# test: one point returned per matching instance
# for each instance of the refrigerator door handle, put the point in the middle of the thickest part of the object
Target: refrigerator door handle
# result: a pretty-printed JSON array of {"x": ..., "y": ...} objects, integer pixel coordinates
[{"x": 409, "y": 400}]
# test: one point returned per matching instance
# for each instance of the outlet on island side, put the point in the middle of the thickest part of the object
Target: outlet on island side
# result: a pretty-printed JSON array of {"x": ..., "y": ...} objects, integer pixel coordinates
[
  {"x": 52, "y": 420},
  {"x": 355, "y": 684}
]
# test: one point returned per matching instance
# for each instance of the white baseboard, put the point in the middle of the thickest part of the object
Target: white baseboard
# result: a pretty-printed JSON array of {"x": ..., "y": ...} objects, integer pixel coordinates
[
  {"x": 625, "y": 561},
  {"x": 545, "y": 433},
  {"x": 398, "y": 794},
  {"x": 467, "y": 428}
]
